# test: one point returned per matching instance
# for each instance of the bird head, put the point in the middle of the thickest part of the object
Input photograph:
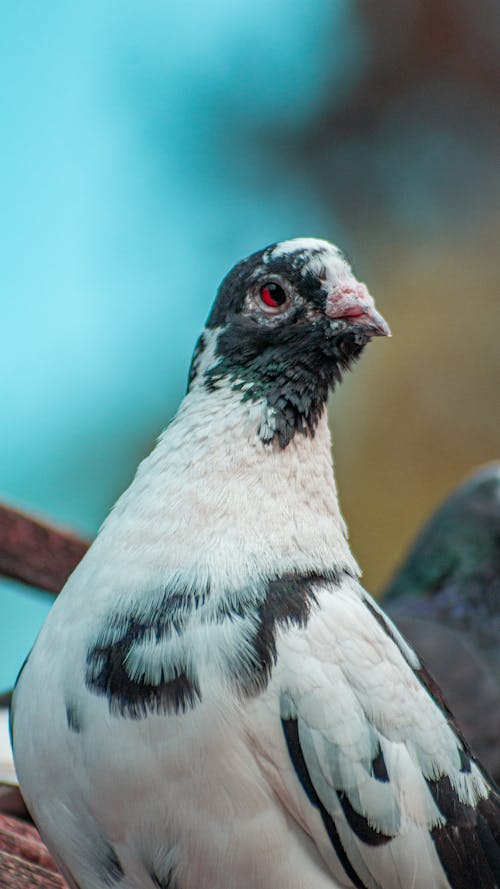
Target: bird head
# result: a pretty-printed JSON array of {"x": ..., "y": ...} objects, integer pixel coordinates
[{"x": 287, "y": 321}]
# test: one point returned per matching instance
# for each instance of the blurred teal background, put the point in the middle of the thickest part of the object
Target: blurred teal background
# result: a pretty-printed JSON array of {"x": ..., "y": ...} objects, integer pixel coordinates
[{"x": 148, "y": 146}]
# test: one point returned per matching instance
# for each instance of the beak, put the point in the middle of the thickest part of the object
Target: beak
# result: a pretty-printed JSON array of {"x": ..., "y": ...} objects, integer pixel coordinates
[{"x": 354, "y": 304}]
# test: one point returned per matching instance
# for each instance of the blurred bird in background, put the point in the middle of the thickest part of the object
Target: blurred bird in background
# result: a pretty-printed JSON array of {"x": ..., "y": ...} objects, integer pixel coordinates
[{"x": 445, "y": 599}]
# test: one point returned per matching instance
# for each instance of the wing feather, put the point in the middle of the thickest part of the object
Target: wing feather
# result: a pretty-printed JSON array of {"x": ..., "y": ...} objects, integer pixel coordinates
[{"x": 401, "y": 802}]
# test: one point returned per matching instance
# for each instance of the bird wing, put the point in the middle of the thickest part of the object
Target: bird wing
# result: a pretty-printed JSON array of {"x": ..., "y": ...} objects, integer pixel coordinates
[
  {"x": 470, "y": 683},
  {"x": 368, "y": 760}
]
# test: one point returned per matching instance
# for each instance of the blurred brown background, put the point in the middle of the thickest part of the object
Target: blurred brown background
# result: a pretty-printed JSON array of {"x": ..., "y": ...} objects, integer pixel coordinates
[
  {"x": 428, "y": 401},
  {"x": 411, "y": 160}
]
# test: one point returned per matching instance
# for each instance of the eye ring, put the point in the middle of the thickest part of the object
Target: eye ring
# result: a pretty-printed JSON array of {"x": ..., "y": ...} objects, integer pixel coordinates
[{"x": 273, "y": 296}]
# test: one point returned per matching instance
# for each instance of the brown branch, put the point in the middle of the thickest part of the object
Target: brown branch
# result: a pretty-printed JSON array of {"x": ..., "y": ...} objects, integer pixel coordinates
[
  {"x": 16, "y": 873},
  {"x": 24, "y": 861},
  {"x": 36, "y": 553}
]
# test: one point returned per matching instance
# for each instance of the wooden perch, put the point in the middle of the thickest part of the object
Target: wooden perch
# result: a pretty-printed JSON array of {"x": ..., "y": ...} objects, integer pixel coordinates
[
  {"x": 24, "y": 860},
  {"x": 36, "y": 553}
]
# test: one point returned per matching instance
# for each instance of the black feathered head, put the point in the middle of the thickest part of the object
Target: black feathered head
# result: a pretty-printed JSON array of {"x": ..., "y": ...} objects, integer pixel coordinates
[{"x": 290, "y": 318}]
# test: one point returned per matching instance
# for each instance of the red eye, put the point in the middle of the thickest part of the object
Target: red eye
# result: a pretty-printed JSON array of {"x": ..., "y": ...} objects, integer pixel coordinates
[{"x": 272, "y": 295}]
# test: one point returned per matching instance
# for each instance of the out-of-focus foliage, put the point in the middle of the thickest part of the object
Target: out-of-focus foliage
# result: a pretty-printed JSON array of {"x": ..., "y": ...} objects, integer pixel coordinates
[{"x": 147, "y": 147}]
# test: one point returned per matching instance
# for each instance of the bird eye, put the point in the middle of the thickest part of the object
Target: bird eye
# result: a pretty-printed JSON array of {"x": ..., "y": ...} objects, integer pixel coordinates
[{"x": 272, "y": 295}]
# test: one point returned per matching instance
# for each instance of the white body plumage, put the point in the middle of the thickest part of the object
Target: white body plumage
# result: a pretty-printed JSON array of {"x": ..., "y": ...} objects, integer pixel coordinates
[{"x": 214, "y": 701}]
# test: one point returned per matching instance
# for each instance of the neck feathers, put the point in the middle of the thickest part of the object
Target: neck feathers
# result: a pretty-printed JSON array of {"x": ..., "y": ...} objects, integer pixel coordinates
[
  {"x": 290, "y": 378},
  {"x": 218, "y": 502}
]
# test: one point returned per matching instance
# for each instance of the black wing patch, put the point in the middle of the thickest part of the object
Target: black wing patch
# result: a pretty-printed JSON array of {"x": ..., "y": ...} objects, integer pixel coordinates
[
  {"x": 107, "y": 674},
  {"x": 112, "y": 871},
  {"x": 134, "y": 635},
  {"x": 73, "y": 719},
  {"x": 379, "y": 769},
  {"x": 291, "y": 733},
  {"x": 468, "y": 845},
  {"x": 288, "y": 601},
  {"x": 166, "y": 882},
  {"x": 360, "y": 825}
]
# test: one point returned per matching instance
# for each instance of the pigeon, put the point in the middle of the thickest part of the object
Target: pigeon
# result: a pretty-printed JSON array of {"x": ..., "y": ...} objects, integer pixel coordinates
[
  {"x": 214, "y": 701},
  {"x": 446, "y": 599}
]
